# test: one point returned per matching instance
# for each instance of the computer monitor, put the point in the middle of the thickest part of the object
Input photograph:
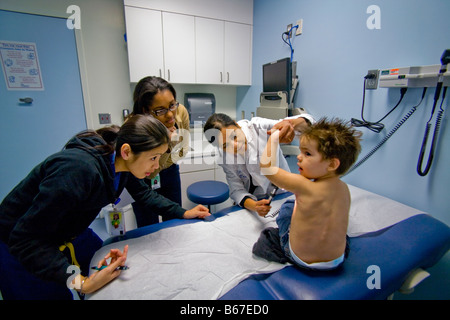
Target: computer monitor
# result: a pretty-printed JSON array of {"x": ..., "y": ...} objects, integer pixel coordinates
[{"x": 277, "y": 76}]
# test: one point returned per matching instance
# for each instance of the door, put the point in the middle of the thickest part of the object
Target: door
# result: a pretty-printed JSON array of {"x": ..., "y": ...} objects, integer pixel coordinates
[
  {"x": 144, "y": 43},
  {"x": 29, "y": 132}
]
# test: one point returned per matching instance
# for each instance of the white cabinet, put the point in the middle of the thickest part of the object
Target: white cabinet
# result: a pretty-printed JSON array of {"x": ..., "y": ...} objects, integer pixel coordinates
[
  {"x": 209, "y": 38},
  {"x": 223, "y": 52},
  {"x": 145, "y": 42},
  {"x": 179, "y": 47},
  {"x": 238, "y": 53},
  {"x": 184, "y": 48}
]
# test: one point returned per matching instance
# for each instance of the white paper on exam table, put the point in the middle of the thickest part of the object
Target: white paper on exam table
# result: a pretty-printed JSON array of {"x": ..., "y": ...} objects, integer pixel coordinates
[
  {"x": 201, "y": 260},
  {"x": 204, "y": 260},
  {"x": 371, "y": 212}
]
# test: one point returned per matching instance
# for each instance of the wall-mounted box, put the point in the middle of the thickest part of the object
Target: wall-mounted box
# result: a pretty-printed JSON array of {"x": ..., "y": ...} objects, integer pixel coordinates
[{"x": 412, "y": 77}]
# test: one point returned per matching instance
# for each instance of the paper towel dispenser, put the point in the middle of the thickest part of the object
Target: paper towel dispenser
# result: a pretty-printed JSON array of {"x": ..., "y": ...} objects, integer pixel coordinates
[{"x": 200, "y": 106}]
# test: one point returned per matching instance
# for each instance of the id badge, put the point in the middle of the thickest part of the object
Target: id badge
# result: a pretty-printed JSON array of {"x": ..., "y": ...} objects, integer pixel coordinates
[
  {"x": 156, "y": 182},
  {"x": 117, "y": 222}
]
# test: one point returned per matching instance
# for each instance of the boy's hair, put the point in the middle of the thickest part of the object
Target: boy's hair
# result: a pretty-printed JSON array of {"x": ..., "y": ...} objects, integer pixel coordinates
[{"x": 336, "y": 139}]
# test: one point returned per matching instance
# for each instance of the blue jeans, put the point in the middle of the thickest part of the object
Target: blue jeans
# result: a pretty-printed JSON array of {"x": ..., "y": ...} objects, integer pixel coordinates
[{"x": 284, "y": 225}]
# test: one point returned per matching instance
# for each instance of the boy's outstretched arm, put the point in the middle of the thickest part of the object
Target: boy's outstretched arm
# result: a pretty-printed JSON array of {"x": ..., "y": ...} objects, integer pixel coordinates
[{"x": 268, "y": 163}]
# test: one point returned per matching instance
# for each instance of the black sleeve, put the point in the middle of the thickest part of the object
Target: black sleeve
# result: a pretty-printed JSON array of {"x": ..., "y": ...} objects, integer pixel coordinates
[
  {"x": 37, "y": 235},
  {"x": 151, "y": 200}
]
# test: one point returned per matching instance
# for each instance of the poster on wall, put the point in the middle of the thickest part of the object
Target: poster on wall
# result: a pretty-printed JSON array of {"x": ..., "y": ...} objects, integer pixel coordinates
[{"x": 20, "y": 65}]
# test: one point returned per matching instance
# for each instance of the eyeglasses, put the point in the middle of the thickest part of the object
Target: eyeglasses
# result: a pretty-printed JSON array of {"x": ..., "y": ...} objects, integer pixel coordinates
[{"x": 163, "y": 111}]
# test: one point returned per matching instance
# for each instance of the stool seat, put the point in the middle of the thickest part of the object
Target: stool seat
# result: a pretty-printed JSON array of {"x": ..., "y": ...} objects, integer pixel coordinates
[{"x": 208, "y": 192}]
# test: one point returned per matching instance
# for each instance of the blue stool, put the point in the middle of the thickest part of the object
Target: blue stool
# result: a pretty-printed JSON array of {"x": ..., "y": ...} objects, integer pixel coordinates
[{"x": 208, "y": 192}]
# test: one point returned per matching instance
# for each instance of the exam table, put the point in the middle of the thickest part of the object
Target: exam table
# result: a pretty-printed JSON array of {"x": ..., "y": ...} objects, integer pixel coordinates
[{"x": 389, "y": 253}]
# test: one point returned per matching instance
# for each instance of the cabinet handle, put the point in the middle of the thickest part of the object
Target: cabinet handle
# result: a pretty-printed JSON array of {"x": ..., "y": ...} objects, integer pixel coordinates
[
  {"x": 221, "y": 77},
  {"x": 168, "y": 74},
  {"x": 160, "y": 73},
  {"x": 228, "y": 77}
]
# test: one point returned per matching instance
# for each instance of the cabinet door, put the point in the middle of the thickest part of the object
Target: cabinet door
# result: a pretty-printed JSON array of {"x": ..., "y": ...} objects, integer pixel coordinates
[
  {"x": 144, "y": 42},
  {"x": 209, "y": 39},
  {"x": 179, "y": 47},
  {"x": 238, "y": 51}
]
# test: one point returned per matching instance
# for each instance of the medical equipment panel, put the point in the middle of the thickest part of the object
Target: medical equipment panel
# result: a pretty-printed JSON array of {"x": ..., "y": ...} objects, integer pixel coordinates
[
  {"x": 279, "y": 88},
  {"x": 412, "y": 77},
  {"x": 422, "y": 77}
]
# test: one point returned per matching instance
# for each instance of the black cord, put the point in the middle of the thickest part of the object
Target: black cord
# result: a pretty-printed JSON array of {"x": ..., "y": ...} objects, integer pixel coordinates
[
  {"x": 421, "y": 172},
  {"x": 378, "y": 146},
  {"x": 374, "y": 126}
]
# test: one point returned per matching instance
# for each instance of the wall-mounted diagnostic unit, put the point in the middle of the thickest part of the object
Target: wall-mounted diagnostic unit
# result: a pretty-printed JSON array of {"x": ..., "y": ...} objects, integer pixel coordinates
[
  {"x": 425, "y": 77},
  {"x": 412, "y": 77}
]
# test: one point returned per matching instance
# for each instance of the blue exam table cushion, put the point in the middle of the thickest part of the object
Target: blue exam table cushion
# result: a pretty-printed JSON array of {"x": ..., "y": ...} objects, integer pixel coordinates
[{"x": 417, "y": 241}]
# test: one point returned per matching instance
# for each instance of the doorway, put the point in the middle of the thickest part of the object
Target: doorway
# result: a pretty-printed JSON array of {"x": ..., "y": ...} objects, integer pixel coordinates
[{"x": 37, "y": 120}]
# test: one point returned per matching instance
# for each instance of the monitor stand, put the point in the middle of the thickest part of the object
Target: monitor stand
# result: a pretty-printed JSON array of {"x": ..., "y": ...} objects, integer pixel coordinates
[{"x": 273, "y": 105}]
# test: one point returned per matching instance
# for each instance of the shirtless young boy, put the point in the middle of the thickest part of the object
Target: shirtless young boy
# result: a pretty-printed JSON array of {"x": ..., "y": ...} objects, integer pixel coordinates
[{"x": 315, "y": 236}]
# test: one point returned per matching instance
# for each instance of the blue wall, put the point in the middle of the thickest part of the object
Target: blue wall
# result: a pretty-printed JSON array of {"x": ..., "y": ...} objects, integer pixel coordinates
[{"x": 334, "y": 54}]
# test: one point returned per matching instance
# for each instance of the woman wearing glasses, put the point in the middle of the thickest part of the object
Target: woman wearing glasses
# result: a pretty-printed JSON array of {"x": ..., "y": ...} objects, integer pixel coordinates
[{"x": 157, "y": 97}]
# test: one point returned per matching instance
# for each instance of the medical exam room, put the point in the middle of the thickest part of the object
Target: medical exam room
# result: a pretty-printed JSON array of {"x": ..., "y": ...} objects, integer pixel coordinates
[{"x": 239, "y": 151}]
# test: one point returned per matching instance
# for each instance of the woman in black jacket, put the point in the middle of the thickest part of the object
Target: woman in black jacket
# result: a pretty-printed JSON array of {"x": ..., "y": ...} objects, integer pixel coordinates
[{"x": 61, "y": 196}]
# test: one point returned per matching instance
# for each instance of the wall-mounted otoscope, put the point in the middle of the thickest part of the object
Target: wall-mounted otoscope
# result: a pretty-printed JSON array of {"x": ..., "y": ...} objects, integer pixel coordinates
[
  {"x": 405, "y": 77},
  {"x": 445, "y": 60}
]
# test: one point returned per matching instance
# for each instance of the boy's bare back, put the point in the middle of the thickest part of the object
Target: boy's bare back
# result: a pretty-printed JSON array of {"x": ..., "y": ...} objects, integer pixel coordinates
[{"x": 319, "y": 221}]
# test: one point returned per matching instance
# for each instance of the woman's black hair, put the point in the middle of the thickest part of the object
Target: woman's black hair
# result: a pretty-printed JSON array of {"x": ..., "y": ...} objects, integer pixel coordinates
[
  {"x": 145, "y": 91},
  {"x": 215, "y": 124},
  {"x": 141, "y": 132}
]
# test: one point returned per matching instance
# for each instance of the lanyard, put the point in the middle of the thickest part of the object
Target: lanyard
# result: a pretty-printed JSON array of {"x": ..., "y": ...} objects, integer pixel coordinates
[{"x": 116, "y": 177}]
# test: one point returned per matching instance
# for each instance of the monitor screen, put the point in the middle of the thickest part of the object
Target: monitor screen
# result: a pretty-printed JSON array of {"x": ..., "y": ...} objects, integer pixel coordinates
[{"x": 277, "y": 76}]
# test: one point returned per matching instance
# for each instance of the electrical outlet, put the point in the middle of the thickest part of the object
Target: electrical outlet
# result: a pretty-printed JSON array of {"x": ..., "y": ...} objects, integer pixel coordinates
[
  {"x": 372, "y": 79},
  {"x": 299, "y": 30},
  {"x": 289, "y": 27},
  {"x": 104, "y": 118}
]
